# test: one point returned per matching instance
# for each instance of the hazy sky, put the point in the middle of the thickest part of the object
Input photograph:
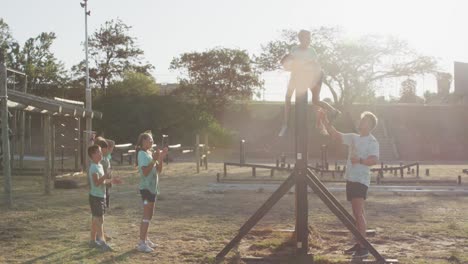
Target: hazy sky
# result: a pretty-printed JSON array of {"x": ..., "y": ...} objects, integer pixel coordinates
[{"x": 166, "y": 29}]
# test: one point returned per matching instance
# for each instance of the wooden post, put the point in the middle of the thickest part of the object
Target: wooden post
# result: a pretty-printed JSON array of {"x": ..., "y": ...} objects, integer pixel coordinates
[
  {"x": 14, "y": 129},
  {"x": 382, "y": 171},
  {"x": 78, "y": 144},
  {"x": 52, "y": 148},
  {"x": 77, "y": 159},
  {"x": 30, "y": 132},
  {"x": 225, "y": 170},
  {"x": 5, "y": 136},
  {"x": 197, "y": 152},
  {"x": 459, "y": 180},
  {"x": 62, "y": 149},
  {"x": 242, "y": 152},
  {"x": 206, "y": 151},
  {"x": 47, "y": 154},
  {"x": 22, "y": 128},
  {"x": 300, "y": 174},
  {"x": 254, "y": 172},
  {"x": 401, "y": 170},
  {"x": 417, "y": 170},
  {"x": 21, "y": 138}
]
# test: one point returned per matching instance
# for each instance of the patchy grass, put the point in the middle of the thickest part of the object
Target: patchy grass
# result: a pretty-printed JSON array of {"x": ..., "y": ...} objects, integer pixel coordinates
[{"x": 192, "y": 224}]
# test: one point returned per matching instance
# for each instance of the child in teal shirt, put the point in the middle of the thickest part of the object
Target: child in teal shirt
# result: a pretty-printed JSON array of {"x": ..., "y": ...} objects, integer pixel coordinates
[
  {"x": 97, "y": 196},
  {"x": 149, "y": 165}
]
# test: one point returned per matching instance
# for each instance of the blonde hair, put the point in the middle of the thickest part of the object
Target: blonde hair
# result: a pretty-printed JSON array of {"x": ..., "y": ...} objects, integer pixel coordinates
[
  {"x": 139, "y": 145},
  {"x": 110, "y": 143},
  {"x": 373, "y": 118}
]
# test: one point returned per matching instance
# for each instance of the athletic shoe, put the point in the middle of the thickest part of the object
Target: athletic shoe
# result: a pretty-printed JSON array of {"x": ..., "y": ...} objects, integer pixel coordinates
[
  {"x": 361, "y": 253},
  {"x": 94, "y": 244},
  {"x": 352, "y": 249},
  {"x": 151, "y": 244},
  {"x": 105, "y": 247},
  {"x": 142, "y": 247},
  {"x": 100, "y": 241}
]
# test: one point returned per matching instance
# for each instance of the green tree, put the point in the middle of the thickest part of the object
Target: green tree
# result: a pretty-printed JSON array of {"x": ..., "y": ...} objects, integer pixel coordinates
[
  {"x": 134, "y": 83},
  {"x": 113, "y": 51},
  {"x": 214, "y": 78},
  {"x": 352, "y": 69},
  {"x": 45, "y": 72},
  {"x": 125, "y": 117},
  {"x": 408, "y": 92},
  {"x": 9, "y": 45}
]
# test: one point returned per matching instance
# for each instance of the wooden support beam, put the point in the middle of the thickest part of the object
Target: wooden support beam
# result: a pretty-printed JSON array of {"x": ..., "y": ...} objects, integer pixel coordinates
[
  {"x": 5, "y": 128},
  {"x": 197, "y": 152},
  {"x": 52, "y": 148},
  {"x": 78, "y": 161},
  {"x": 47, "y": 154}
]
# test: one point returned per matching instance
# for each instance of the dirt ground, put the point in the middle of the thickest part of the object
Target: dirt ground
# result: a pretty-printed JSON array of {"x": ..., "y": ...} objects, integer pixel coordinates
[{"x": 193, "y": 223}]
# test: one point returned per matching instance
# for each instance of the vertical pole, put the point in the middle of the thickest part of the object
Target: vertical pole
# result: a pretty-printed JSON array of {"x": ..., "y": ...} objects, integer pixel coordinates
[
  {"x": 207, "y": 149},
  {"x": 22, "y": 128},
  {"x": 401, "y": 170},
  {"x": 14, "y": 129},
  {"x": 21, "y": 138},
  {"x": 197, "y": 152},
  {"x": 47, "y": 153},
  {"x": 77, "y": 160},
  {"x": 29, "y": 132},
  {"x": 242, "y": 151},
  {"x": 52, "y": 147},
  {"x": 78, "y": 143},
  {"x": 302, "y": 230},
  {"x": 5, "y": 137},
  {"x": 88, "y": 91},
  {"x": 326, "y": 157}
]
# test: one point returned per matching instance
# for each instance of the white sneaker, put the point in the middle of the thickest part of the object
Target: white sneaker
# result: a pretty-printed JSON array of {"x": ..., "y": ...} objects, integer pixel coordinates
[
  {"x": 151, "y": 244},
  {"x": 142, "y": 247}
]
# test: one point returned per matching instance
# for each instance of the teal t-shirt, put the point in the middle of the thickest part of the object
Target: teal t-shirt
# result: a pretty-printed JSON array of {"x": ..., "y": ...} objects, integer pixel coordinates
[
  {"x": 105, "y": 164},
  {"x": 306, "y": 55},
  {"x": 97, "y": 191},
  {"x": 361, "y": 147},
  {"x": 304, "y": 66},
  {"x": 148, "y": 182}
]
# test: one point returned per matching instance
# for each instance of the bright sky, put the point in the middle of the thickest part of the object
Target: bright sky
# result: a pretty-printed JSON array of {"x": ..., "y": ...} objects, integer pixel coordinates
[{"x": 166, "y": 29}]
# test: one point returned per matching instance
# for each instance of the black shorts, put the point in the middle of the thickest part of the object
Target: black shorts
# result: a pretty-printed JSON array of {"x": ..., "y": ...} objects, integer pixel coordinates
[
  {"x": 98, "y": 206},
  {"x": 147, "y": 196},
  {"x": 355, "y": 190}
]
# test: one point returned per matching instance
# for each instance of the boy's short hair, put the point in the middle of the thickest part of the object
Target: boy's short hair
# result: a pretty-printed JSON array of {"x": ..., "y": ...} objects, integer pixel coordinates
[
  {"x": 100, "y": 141},
  {"x": 303, "y": 32},
  {"x": 93, "y": 149},
  {"x": 371, "y": 117}
]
